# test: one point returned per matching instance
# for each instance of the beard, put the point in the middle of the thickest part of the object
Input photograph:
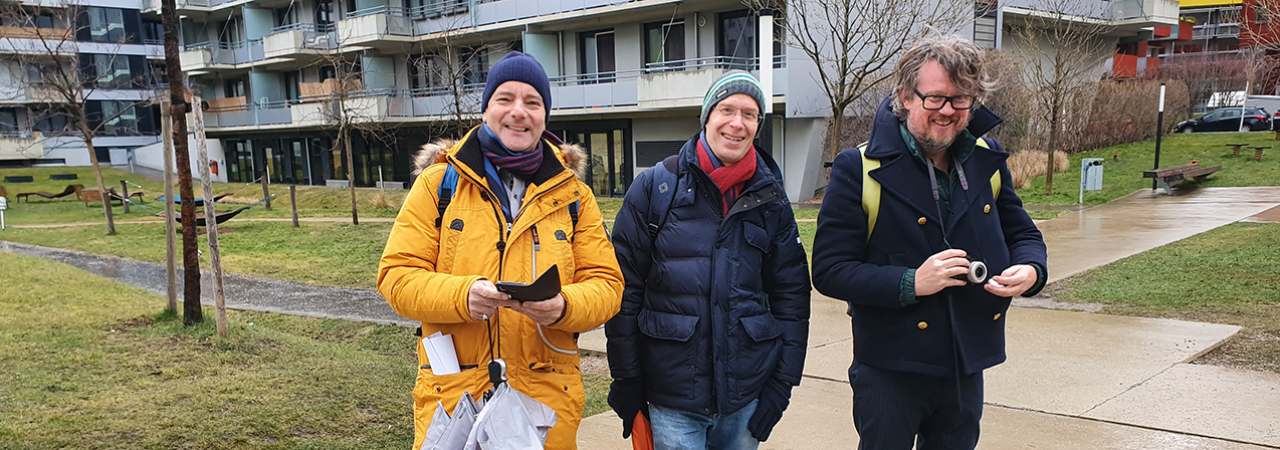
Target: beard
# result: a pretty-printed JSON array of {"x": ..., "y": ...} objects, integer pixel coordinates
[{"x": 934, "y": 143}]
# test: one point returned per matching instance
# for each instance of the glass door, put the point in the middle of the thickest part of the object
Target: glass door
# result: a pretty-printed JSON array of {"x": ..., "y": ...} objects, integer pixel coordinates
[{"x": 608, "y": 169}]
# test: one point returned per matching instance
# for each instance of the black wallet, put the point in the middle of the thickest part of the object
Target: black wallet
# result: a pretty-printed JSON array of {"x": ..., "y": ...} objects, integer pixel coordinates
[{"x": 545, "y": 287}]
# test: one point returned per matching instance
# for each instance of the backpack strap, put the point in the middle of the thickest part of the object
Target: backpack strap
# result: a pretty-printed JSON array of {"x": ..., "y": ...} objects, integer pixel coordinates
[
  {"x": 871, "y": 187},
  {"x": 445, "y": 192},
  {"x": 663, "y": 193}
]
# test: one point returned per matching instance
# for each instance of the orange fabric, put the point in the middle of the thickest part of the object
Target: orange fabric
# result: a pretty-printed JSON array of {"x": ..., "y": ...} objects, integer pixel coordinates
[
  {"x": 425, "y": 274},
  {"x": 641, "y": 434}
]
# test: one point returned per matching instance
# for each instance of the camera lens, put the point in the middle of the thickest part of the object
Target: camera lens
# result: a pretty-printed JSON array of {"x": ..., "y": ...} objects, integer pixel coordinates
[{"x": 977, "y": 272}]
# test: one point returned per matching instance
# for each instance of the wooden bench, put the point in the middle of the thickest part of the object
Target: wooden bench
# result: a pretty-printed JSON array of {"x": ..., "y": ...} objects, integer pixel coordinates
[
  {"x": 1168, "y": 176},
  {"x": 1257, "y": 152},
  {"x": 90, "y": 196},
  {"x": 1235, "y": 148}
]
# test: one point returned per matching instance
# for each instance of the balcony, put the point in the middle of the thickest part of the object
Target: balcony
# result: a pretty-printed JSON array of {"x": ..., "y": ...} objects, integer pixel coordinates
[
  {"x": 376, "y": 23},
  {"x": 226, "y": 55},
  {"x": 45, "y": 34},
  {"x": 1217, "y": 30},
  {"x": 243, "y": 115},
  {"x": 1132, "y": 66},
  {"x": 683, "y": 83},
  {"x": 298, "y": 39},
  {"x": 1143, "y": 13},
  {"x": 21, "y": 145},
  {"x": 326, "y": 89}
]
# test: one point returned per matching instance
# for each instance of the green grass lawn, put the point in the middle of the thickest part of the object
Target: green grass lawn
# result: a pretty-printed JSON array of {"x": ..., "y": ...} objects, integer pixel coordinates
[
  {"x": 332, "y": 254},
  {"x": 1125, "y": 176},
  {"x": 313, "y": 201},
  {"x": 90, "y": 364},
  {"x": 1227, "y": 275}
]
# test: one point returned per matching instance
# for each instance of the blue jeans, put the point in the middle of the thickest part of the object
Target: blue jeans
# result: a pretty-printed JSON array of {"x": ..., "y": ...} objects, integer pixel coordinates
[
  {"x": 896, "y": 410},
  {"x": 674, "y": 429}
]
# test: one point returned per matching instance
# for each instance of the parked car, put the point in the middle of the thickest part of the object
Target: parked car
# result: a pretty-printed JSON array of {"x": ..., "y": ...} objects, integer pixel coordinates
[{"x": 1228, "y": 119}]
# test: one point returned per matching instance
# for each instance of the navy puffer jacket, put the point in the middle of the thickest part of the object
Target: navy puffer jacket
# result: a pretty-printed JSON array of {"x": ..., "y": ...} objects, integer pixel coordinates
[{"x": 712, "y": 307}]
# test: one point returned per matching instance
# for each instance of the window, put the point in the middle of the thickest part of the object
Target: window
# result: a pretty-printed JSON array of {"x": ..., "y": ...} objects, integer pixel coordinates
[
  {"x": 475, "y": 66},
  {"x": 736, "y": 42},
  {"x": 52, "y": 123},
  {"x": 598, "y": 55},
  {"x": 106, "y": 24},
  {"x": 153, "y": 32},
  {"x": 8, "y": 121},
  {"x": 230, "y": 32},
  {"x": 984, "y": 23},
  {"x": 664, "y": 43},
  {"x": 292, "y": 89},
  {"x": 233, "y": 88},
  {"x": 324, "y": 12},
  {"x": 111, "y": 70},
  {"x": 286, "y": 16},
  {"x": 327, "y": 72},
  {"x": 113, "y": 118}
]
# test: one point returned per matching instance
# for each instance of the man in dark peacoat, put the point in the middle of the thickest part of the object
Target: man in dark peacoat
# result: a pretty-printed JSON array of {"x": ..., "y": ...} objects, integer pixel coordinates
[{"x": 921, "y": 337}]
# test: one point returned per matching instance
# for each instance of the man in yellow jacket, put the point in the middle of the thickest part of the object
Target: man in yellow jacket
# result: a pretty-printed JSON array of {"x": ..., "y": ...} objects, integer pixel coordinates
[{"x": 510, "y": 218}]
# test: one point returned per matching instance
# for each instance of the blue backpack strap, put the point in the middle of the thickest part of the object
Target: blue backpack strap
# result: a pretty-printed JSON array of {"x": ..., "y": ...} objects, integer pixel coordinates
[
  {"x": 445, "y": 192},
  {"x": 662, "y": 195}
]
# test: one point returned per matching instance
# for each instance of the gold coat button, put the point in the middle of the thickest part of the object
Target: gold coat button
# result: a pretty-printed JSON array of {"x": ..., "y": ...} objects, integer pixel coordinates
[
  {"x": 922, "y": 221},
  {"x": 997, "y": 317},
  {"x": 986, "y": 209},
  {"x": 922, "y": 325}
]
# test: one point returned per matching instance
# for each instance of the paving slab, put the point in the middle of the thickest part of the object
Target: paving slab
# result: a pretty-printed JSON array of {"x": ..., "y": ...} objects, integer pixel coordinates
[
  {"x": 1269, "y": 216},
  {"x": 1204, "y": 400},
  {"x": 1067, "y": 362},
  {"x": 828, "y": 424},
  {"x": 1081, "y": 240}
]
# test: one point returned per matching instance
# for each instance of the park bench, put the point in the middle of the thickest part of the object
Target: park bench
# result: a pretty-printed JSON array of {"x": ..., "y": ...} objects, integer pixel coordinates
[
  {"x": 71, "y": 189},
  {"x": 19, "y": 179},
  {"x": 92, "y": 195},
  {"x": 1168, "y": 176},
  {"x": 64, "y": 176}
]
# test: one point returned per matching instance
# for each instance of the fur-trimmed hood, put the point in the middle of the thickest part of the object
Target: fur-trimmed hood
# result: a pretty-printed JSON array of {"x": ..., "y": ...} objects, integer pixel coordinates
[{"x": 437, "y": 152}]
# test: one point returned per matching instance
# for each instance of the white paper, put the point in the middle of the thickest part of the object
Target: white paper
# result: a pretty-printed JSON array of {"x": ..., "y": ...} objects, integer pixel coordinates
[{"x": 440, "y": 354}]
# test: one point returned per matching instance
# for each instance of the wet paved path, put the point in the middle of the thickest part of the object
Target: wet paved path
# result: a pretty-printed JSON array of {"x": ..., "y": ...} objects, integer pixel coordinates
[{"x": 241, "y": 292}]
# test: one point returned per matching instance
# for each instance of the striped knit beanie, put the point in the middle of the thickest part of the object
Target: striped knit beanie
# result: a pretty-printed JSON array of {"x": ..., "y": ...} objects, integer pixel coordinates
[{"x": 732, "y": 82}]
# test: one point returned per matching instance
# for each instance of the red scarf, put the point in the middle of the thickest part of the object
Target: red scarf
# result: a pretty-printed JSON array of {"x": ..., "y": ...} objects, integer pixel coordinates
[{"x": 729, "y": 178}]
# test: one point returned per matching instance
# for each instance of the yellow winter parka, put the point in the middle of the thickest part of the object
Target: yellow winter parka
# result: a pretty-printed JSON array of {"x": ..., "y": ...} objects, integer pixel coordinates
[{"x": 426, "y": 273}]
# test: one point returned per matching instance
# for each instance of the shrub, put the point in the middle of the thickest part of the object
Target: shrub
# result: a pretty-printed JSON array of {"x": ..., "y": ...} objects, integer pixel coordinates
[{"x": 1028, "y": 164}]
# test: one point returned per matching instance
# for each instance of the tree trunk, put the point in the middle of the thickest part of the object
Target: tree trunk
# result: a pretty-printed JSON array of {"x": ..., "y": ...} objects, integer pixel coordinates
[
  {"x": 97, "y": 175},
  {"x": 351, "y": 178},
  {"x": 1053, "y": 143},
  {"x": 833, "y": 136},
  {"x": 191, "y": 312}
]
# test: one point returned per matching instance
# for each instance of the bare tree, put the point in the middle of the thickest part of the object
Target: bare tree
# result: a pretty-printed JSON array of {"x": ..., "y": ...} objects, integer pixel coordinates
[
  {"x": 178, "y": 109},
  {"x": 855, "y": 43},
  {"x": 1062, "y": 46},
  {"x": 45, "y": 64},
  {"x": 1205, "y": 75}
]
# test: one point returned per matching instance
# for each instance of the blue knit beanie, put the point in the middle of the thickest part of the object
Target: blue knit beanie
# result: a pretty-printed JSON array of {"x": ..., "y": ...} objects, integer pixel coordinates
[
  {"x": 732, "y": 82},
  {"x": 520, "y": 67}
]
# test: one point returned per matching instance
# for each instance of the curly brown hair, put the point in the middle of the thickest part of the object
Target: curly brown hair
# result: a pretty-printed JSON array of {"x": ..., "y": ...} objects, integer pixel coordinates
[{"x": 963, "y": 61}]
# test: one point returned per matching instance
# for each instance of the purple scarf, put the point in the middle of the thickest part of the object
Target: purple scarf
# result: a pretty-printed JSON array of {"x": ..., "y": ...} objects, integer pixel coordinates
[{"x": 522, "y": 165}]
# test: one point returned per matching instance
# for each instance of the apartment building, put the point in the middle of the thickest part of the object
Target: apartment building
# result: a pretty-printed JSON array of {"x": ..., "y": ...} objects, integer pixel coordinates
[
  {"x": 116, "y": 50},
  {"x": 281, "y": 78}
]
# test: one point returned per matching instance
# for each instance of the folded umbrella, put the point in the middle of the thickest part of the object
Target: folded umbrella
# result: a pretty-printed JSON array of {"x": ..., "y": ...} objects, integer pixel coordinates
[{"x": 511, "y": 420}]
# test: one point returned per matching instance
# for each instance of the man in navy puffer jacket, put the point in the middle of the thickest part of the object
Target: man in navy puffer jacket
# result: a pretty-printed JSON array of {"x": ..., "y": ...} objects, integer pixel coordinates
[{"x": 715, "y": 314}]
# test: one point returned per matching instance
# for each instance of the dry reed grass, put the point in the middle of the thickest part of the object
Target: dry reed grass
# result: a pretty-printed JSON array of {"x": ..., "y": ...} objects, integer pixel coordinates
[{"x": 1029, "y": 164}]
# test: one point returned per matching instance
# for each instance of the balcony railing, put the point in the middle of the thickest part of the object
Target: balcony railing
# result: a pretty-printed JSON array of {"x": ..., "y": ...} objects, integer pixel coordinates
[
  {"x": 312, "y": 27},
  {"x": 60, "y": 34},
  {"x": 1220, "y": 30},
  {"x": 393, "y": 11},
  {"x": 439, "y": 9},
  {"x": 230, "y": 53}
]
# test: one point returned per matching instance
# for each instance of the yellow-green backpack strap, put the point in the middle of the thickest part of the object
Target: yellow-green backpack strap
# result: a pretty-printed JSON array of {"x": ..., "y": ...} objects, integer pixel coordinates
[
  {"x": 870, "y": 190},
  {"x": 995, "y": 178}
]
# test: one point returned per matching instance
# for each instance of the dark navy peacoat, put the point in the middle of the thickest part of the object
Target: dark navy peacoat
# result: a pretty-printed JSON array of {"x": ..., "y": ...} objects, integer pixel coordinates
[
  {"x": 959, "y": 325},
  {"x": 713, "y": 306}
]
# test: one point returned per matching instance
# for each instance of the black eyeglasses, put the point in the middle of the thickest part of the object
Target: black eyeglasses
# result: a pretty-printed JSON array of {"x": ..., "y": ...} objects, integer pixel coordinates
[{"x": 958, "y": 102}]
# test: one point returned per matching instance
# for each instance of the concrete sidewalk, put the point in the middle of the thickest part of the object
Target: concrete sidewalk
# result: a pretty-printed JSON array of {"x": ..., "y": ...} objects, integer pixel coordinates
[{"x": 1073, "y": 380}]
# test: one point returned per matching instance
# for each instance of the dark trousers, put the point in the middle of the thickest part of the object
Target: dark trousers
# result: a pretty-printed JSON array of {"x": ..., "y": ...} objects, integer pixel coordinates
[{"x": 891, "y": 410}]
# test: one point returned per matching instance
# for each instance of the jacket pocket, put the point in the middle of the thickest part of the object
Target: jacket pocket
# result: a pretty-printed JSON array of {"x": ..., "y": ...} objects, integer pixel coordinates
[
  {"x": 755, "y": 236},
  {"x": 762, "y": 327},
  {"x": 667, "y": 326},
  {"x": 668, "y": 354},
  {"x": 755, "y": 355}
]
